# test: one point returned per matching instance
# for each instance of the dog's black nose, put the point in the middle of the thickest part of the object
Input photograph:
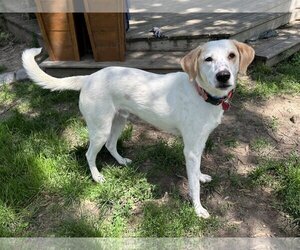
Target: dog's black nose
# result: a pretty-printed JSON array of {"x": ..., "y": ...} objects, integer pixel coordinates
[{"x": 223, "y": 76}]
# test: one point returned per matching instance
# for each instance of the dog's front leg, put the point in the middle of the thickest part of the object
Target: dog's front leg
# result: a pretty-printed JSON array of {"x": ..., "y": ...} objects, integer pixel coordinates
[{"x": 193, "y": 172}]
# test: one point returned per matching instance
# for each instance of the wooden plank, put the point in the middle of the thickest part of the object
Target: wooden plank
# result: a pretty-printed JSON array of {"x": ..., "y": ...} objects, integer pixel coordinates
[
  {"x": 45, "y": 36},
  {"x": 255, "y": 20},
  {"x": 286, "y": 37},
  {"x": 141, "y": 60},
  {"x": 264, "y": 44},
  {"x": 222, "y": 23},
  {"x": 104, "y": 6},
  {"x": 273, "y": 50},
  {"x": 266, "y": 25},
  {"x": 66, "y": 52},
  {"x": 278, "y": 48},
  {"x": 50, "y": 6},
  {"x": 108, "y": 21},
  {"x": 60, "y": 38},
  {"x": 207, "y": 6},
  {"x": 107, "y": 35},
  {"x": 187, "y": 25},
  {"x": 109, "y": 40},
  {"x": 55, "y": 22},
  {"x": 283, "y": 34},
  {"x": 283, "y": 55},
  {"x": 181, "y": 25},
  {"x": 266, "y": 6},
  {"x": 63, "y": 35}
]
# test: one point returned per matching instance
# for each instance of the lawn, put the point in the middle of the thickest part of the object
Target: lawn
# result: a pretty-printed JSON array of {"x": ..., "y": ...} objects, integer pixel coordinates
[{"x": 46, "y": 188}]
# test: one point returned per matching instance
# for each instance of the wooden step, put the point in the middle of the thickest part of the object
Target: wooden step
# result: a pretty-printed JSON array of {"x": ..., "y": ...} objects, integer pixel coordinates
[
  {"x": 158, "y": 62},
  {"x": 275, "y": 49}
]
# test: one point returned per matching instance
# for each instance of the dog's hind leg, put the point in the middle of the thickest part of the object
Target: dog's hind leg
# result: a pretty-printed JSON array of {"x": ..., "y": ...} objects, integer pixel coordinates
[
  {"x": 98, "y": 133},
  {"x": 118, "y": 124}
]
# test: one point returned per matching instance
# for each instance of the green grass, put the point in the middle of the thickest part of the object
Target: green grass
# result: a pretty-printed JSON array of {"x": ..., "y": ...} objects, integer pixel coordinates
[
  {"x": 165, "y": 156},
  {"x": 175, "y": 219},
  {"x": 259, "y": 144},
  {"x": 273, "y": 123},
  {"x": 3, "y": 68},
  {"x": 283, "y": 78},
  {"x": 5, "y": 37},
  {"x": 283, "y": 176},
  {"x": 209, "y": 145},
  {"x": 231, "y": 142}
]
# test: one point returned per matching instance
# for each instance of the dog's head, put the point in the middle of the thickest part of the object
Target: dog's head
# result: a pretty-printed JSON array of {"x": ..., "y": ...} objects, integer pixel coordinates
[{"x": 215, "y": 65}]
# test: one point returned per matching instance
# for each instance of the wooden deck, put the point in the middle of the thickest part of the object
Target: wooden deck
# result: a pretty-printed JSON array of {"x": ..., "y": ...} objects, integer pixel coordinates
[
  {"x": 176, "y": 25},
  {"x": 272, "y": 50},
  {"x": 185, "y": 31},
  {"x": 210, "y": 6}
]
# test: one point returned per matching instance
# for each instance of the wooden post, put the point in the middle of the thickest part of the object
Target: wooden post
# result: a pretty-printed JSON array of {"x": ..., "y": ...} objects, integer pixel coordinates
[
  {"x": 58, "y": 31},
  {"x": 106, "y": 30}
]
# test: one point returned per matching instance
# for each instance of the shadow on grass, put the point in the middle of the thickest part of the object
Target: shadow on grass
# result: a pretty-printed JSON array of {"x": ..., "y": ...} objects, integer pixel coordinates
[{"x": 32, "y": 152}]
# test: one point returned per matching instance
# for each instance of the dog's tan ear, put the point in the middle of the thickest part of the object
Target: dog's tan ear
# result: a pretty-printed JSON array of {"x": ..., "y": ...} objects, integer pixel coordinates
[
  {"x": 189, "y": 63},
  {"x": 246, "y": 55}
]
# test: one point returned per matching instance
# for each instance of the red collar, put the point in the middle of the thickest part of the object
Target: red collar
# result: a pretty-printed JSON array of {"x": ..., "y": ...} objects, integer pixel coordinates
[{"x": 215, "y": 100}]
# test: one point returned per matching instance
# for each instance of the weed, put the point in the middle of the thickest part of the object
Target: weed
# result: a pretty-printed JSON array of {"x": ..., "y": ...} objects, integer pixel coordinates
[
  {"x": 213, "y": 185},
  {"x": 34, "y": 41},
  {"x": 5, "y": 38},
  {"x": 174, "y": 219},
  {"x": 209, "y": 145},
  {"x": 3, "y": 68},
  {"x": 229, "y": 156},
  {"x": 273, "y": 123},
  {"x": 165, "y": 156},
  {"x": 259, "y": 144},
  {"x": 231, "y": 143},
  {"x": 284, "y": 177},
  {"x": 281, "y": 79},
  {"x": 126, "y": 135}
]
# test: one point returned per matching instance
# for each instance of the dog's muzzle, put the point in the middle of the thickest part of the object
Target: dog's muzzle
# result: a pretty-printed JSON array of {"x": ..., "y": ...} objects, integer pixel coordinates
[{"x": 223, "y": 78}]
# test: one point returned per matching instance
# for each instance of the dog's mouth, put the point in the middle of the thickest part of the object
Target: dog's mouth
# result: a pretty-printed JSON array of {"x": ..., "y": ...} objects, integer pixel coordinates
[{"x": 223, "y": 86}]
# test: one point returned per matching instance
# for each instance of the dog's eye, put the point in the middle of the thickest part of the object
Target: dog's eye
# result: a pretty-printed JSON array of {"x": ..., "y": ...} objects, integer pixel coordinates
[
  {"x": 208, "y": 59},
  {"x": 231, "y": 56}
]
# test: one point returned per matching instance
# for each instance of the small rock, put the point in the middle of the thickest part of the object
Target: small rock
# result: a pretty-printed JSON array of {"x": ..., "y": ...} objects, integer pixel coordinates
[
  {"x": 7, "y": 78},
  {"x": 21, "y": 75},
  {"x": 293, "y": 119}
]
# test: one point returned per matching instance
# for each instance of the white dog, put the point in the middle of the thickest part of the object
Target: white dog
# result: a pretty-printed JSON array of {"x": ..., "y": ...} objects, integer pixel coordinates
[{"x": 190, "y": 103}]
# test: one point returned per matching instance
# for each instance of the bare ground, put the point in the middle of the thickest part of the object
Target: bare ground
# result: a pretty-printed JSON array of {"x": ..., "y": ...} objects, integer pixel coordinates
[{"x": 11, "y": 55}]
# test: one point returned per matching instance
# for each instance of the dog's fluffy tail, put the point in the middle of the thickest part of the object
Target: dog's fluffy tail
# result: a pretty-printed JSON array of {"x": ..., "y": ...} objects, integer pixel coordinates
[{"x": 44, "y": 80}]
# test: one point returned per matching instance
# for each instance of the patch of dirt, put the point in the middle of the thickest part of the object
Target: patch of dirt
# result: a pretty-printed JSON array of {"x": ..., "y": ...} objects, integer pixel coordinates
[
  {"x": 11, "y": 50},
  {"x": 11, "y": 56},
  {"x": 147, "y": 133},
  {"x": 52, "y": 211}
]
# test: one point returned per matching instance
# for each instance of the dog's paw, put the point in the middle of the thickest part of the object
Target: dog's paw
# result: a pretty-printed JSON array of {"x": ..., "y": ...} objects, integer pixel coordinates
[
  {"x": 98, "y": 177},
  {"x": 205, "y": 178},
  {"x": 125, "y": 161},
  {"x": 202, "y": 212}
]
